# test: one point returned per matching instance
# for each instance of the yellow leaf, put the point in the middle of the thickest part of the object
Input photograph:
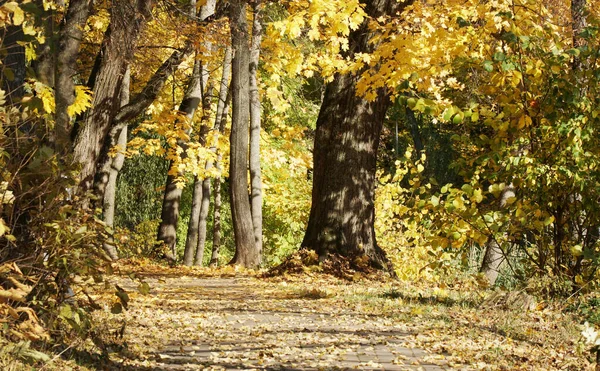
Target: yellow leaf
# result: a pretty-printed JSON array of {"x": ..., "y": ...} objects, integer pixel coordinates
[
  {"x": 18, "y": 16},
  {"x": 83, "y": 100},
  {"x": 524, "y": 121}
]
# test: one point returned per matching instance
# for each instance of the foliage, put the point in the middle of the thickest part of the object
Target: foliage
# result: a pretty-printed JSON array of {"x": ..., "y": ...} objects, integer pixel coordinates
[{"x": 140, "y": 190}]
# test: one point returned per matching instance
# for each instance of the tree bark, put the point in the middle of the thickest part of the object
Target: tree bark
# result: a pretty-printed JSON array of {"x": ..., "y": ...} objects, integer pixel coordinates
[
  {"x": 45, "y": 62},
  {"x": 192, "y": 243},
  {"x": 220, "y": 119},
  {"x": 494, "y": 256},
  {"x": 194, "y": 95},
  {"x": 70, "y": 36},
  {"x": 342, "y": 214},
  {"x": 167, "y": 231},
  {"x": 246, "y": 253},
  {"x": 214, "y": 259},
  {"x": 110, "y": 174},
  {"x": 255, "y": 113},
  {"x": 127, "y": 18}
]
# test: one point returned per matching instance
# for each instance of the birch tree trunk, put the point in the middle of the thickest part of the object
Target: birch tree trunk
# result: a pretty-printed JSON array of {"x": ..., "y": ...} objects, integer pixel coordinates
[{"x": 255, "y": 113}]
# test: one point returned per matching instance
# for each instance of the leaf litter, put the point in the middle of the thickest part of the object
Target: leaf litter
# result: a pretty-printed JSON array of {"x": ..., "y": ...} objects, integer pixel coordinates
[{"x": 185, "y": 318}]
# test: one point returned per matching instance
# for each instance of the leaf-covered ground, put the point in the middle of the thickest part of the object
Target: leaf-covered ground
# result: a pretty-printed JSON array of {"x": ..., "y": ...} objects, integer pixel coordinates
[{"x": 197, "y": 319}]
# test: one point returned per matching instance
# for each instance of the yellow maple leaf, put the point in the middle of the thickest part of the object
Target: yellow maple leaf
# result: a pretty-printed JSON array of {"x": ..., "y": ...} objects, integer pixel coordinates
[{"x": 83, "y": 100}]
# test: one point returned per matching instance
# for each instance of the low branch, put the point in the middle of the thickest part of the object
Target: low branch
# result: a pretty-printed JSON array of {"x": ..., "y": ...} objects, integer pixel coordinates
[{"x": 144, "y": 99}]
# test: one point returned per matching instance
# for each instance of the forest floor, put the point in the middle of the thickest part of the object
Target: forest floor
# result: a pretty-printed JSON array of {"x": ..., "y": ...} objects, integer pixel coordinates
[{"x": 227, "y": 319}]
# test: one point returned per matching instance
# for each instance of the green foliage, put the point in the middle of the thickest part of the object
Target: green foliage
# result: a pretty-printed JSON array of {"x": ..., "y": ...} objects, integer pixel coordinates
[{"x": 140, "y": 190}]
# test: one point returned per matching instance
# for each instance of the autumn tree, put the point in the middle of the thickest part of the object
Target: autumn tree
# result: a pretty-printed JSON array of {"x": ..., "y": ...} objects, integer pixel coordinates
[{"x": 342, "y": 214}]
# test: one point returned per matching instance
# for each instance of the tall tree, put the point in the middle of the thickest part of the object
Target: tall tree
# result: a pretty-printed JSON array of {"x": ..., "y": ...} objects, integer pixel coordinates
[
  {"x": 246, "y": 253},
  {"x": 342, "y": 213},
  {"x": 255, "y": 113}
]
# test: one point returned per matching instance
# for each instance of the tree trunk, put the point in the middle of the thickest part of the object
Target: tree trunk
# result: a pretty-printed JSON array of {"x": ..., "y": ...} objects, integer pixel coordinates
[
  {"x": 214, "y": 259},
  {"x": 220, "y": 119},
  {"x": 255, "y": 112},
  {"x": 193, "y": 237},
  {"x": 167, "y": 231},
  {"x": 494, "y": 256},
  {"x": 191, "y": 241},
  {"x": 342, "y": 214},
  {"x": 13, "y": 60},
  {"x": 110, "y": 175},
  {"x": 127, "y": 18},
  {"x": 69, "y": 40},
  {"x": 246, "y": 253}
]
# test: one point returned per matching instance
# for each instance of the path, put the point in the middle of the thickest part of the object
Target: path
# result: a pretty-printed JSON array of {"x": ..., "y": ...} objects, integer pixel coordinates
[{"x": 240, "y": 324}]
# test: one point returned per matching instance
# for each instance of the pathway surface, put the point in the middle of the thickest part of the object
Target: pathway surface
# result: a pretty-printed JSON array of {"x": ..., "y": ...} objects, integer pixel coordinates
[{"x": 238, "y": 324}]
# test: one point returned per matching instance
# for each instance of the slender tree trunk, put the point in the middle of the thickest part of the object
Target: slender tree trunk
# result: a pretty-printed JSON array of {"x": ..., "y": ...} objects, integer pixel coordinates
[
  {"x": 246, "y": 253},
  {"x": 342, "y": 214},
  {"x": 192, "y": 240},
  {"x": 220, "y": 119},
  {"x": 167, "y": 231},
  {"x": 127, "y": 19},
  {"x": 494, "y": 256},
  {"x": 255, "y": 112},
  {"x": 70, "y": 36},
  {"x": 214, "y": 259},
  {"x": 110, "y": 175}
]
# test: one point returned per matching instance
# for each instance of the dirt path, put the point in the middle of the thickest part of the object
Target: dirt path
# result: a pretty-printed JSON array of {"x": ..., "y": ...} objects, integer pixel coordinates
[{"x": 246, "y": 324}]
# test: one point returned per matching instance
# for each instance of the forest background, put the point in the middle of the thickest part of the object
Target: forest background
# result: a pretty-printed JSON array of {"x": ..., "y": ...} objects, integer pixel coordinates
[{"x": 438, "y": 141}]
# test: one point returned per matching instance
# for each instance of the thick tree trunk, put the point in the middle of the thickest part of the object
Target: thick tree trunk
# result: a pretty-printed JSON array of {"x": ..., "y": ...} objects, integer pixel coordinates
[
  {"x": 255, "y": 112},
  {"x": 127, "y": 18},
  {"x": 246, "y": 253},
  {"x": 109, "y": 175},
  {"x": 69, "y": 40},
  {"x": 494, "y": 256},
  {"x": 342, "y": 214}
]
